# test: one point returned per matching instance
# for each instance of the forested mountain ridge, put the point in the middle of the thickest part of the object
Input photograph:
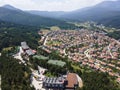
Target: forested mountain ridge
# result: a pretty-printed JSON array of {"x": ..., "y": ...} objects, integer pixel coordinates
[
  {"x": 51, "y": 14},
  {"x": 11, "y": 14},
  {"x": 107, "y": 13},
  {"x": 101, "y": 13}
]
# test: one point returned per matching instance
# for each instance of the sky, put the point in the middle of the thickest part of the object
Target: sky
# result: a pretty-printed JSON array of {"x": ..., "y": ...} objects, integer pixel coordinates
[{"x": 51, "y": 5}]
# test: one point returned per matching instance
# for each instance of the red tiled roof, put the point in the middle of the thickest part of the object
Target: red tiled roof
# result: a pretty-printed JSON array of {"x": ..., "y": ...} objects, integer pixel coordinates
[{"x": 72, "y": 80}]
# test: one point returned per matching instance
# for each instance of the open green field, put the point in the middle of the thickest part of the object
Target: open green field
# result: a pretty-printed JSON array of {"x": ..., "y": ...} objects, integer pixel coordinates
[
  {"x": 7, "y": 49},
  {"x": 56, "y": 62},
  {"x": 55, "y": 28},
  {"x": 40, "y": 57}
]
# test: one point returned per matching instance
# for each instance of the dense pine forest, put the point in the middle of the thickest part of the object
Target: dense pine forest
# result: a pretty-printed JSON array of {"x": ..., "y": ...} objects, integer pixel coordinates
[
  {"x": 15, "y": 76},
  {"x": 13, "y": 34}
]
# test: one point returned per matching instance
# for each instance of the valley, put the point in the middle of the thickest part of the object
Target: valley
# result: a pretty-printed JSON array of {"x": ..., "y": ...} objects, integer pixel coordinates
[{"x": 60, "y": 45}]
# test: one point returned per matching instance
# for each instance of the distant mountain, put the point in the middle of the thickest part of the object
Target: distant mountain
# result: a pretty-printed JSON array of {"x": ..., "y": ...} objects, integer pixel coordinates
[
  {"x": 11, "y": 14},
  {"x": 7, "y": 6},
  {"x": 107, "y": 12},
  {"x": 51, "y": 14}
]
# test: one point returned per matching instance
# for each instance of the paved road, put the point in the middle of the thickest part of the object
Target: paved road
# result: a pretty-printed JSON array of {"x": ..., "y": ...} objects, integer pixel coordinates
[
  {"x": 87, "y": 53},
  {"x": 45, "y": 41},
  {"x": 35, "y": 82},
  {"x": 110, "y": 51},
  {"x": 80, "y": 82},
  {"x": 18, "y": 55}
]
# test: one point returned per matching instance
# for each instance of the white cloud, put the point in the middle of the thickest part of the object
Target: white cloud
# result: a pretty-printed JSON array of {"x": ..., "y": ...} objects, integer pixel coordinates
[{"x": 50, "y": 5}]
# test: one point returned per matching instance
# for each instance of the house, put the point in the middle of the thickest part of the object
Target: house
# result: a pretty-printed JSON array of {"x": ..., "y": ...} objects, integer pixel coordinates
[
  {"x": 54, "y": 83},
  {"x": 24, "y": 46},
  {"x": 68, "y": 82},
  {"x": 72, "y": 81},
  {"x": 29, "y": 52},
  {"x": 27, "y": 49}
]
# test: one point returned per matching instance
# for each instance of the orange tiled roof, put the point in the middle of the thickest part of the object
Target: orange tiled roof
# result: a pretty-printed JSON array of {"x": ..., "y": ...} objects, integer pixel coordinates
[{"x": 72, "y": 80}]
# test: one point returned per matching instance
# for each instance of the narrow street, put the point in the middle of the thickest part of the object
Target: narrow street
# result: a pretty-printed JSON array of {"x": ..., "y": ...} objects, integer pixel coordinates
[
  {"x": 45, "y": 41},
  {"x": 87, "y": 53},
  {"x": 110, "y": 51},
  {"x": 18, "y": 55}
]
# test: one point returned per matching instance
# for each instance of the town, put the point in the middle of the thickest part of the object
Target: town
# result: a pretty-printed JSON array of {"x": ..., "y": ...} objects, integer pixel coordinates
[
  {"x": 87, "y": 47},
  {"x": 93, "y": 49}
]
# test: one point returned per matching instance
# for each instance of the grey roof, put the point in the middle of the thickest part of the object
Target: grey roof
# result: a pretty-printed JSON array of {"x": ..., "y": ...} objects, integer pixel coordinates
[
  {"x": 57, "y": 62},
  {"x": 24, "y": 45},
  {"x": 53, "y": 83},
  {"x": 30, "y": 52},
  {"x": 53, "y": 80}
]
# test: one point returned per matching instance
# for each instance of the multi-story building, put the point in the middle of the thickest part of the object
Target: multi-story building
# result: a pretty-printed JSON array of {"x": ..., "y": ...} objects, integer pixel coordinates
[{"x": 68, "y": 82}]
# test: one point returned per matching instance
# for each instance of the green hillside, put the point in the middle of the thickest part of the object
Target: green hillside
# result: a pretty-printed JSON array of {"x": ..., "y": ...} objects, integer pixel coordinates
[{"x": 24, "y": 18}]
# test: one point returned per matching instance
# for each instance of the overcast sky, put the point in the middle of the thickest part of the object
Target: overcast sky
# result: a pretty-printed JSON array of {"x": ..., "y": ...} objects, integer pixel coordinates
[{"x": 51, "y": 5}]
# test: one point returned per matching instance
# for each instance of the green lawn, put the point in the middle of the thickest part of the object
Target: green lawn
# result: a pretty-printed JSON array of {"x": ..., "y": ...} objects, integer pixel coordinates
[
  {"x": 55, "y": 28},
  {"x": 40, "y": 57},
  {"x": 56, "y": 62}
]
